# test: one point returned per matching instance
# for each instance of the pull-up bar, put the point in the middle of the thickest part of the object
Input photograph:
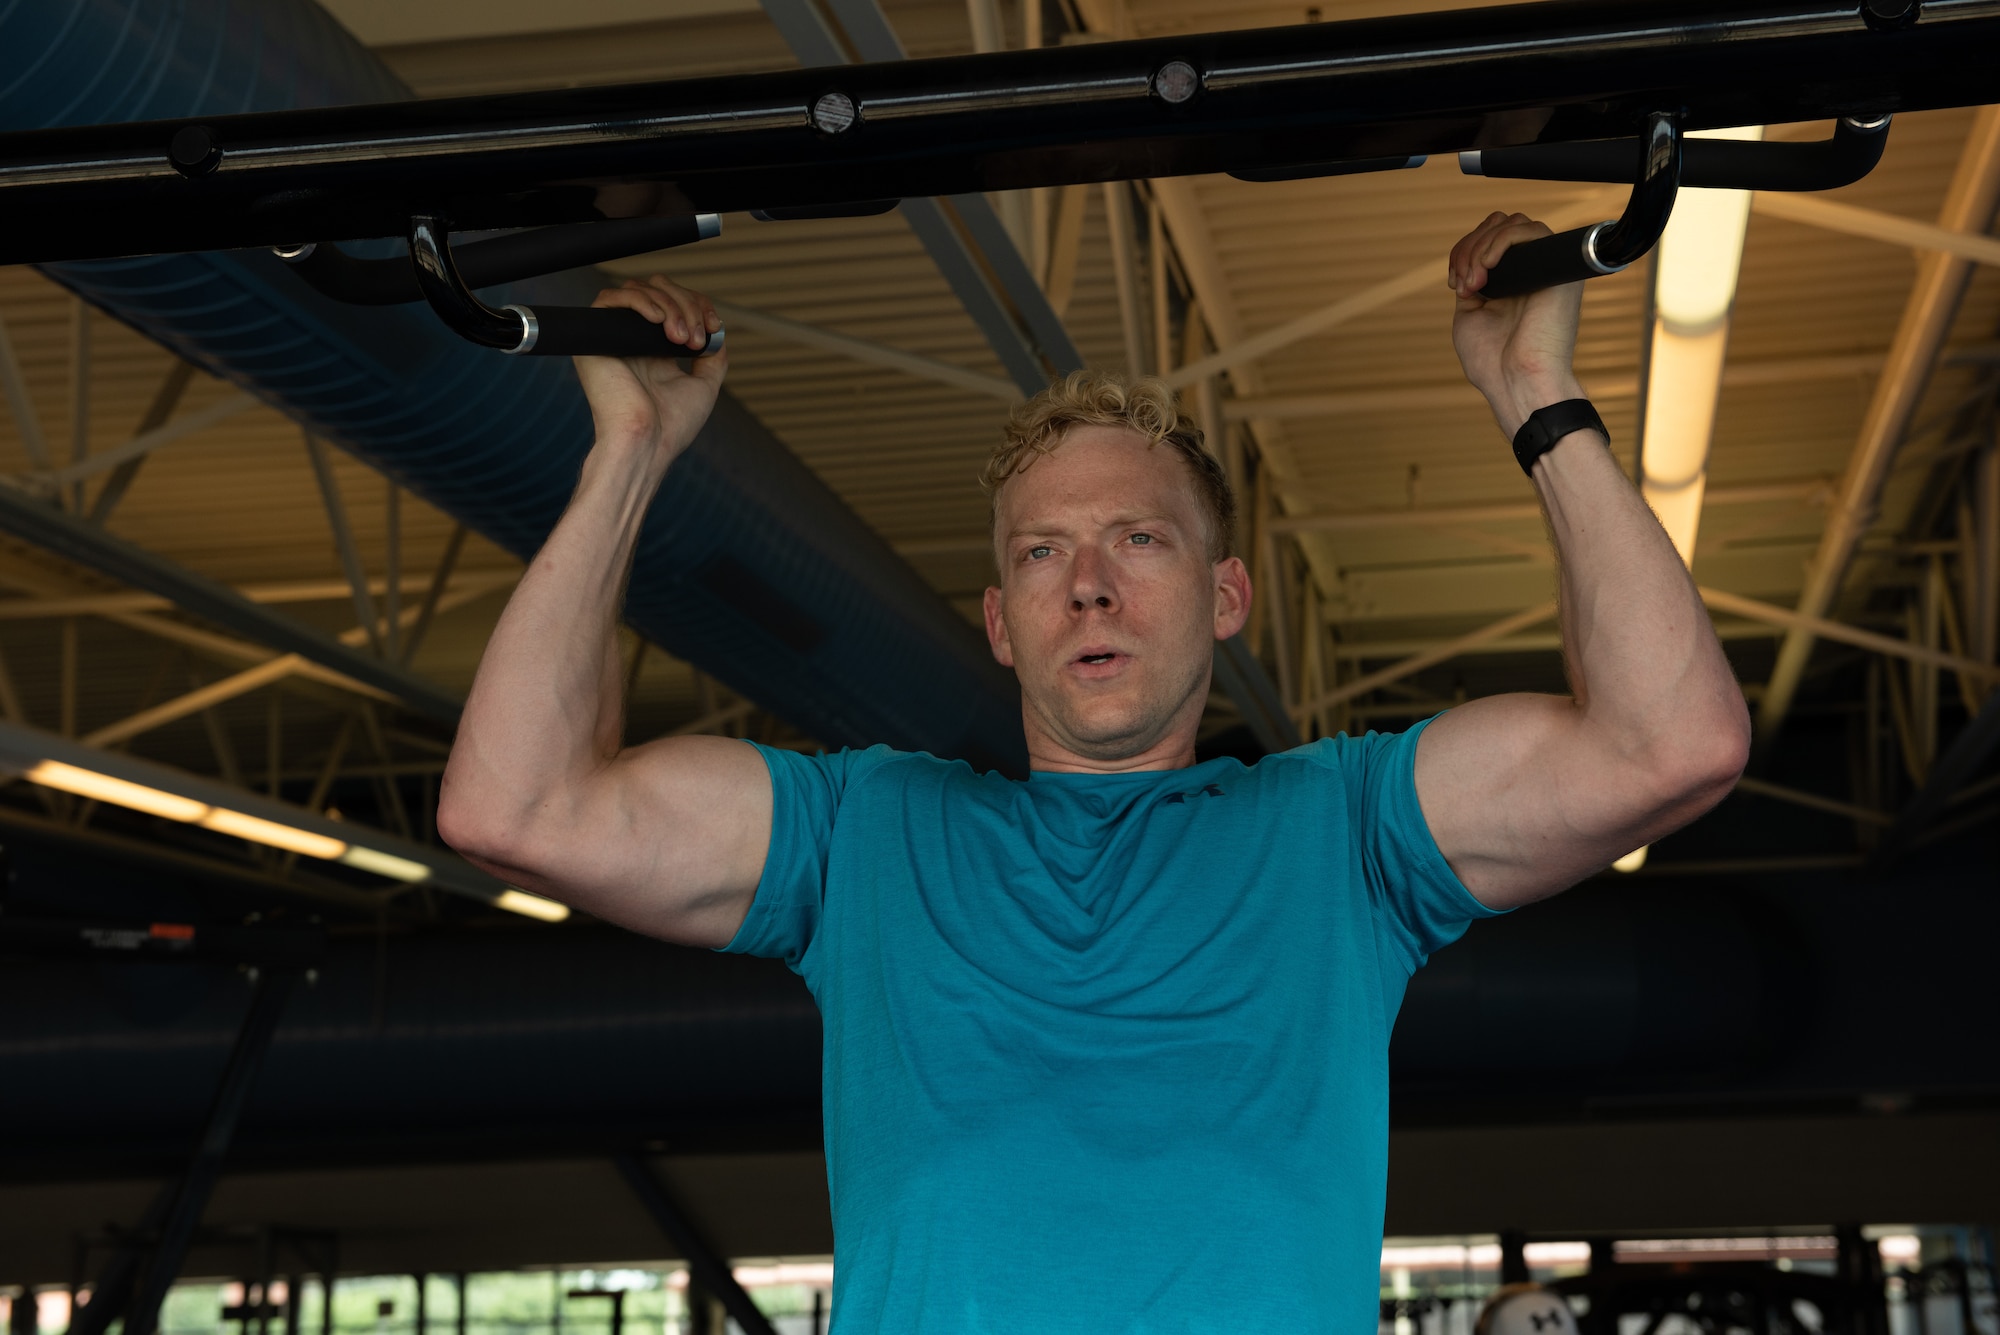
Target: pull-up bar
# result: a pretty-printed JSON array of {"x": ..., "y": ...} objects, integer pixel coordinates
[{"x": 1510, "y": 84}]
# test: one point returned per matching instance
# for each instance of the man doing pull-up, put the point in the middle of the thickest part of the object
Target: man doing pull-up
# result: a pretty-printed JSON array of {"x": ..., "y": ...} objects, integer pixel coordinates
[{"x": 1105, "y": 1049}]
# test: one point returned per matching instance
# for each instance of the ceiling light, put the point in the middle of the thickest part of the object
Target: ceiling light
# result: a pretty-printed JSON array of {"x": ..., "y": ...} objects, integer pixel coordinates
[
  {"x": 124, "y": 780},
  {"x": 1694, "y": 286},
  {"x": 386, "y": 864},
  {"x": 260, "y": 831},
  {"x": 1702, "y": 250},
  {"x": 119, "y": 793},
  {"x": 1632, "y": 861},
  {"x": 520, "y": 901}
]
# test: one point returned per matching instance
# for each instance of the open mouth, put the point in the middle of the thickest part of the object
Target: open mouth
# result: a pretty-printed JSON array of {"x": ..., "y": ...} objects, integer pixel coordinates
[{"x": 1096, "y": 658}]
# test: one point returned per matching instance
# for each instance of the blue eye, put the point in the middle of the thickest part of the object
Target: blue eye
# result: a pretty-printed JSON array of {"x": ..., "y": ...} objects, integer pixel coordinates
[
  {"x": 1142, "y": 539},
  {"x": 1037, "y": 553}
]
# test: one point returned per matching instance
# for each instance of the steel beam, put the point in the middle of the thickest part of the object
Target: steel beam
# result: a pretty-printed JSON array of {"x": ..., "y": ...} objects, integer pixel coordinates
[
  {"x": 79, "y": 394},
  {"x": 1243, "y": 679},
  {"x": 1429, "y": 658},
  {"x": 964, "y": 236},
  {"x": 1833, "y": 216},
  {"x": 1388, "y": 292},
  {"x": 1461, "y": 394},
  {"x": 125, "y": 471},
  {"x": 1359, "y": 521},
  {"x": 343, "y": 542},
  {"x": 128, "y": 454},
  {"x": 1716, "y": 600},
  {"x": 75, "y": 539},
  {"x": 1927, "y": 319},
  {"x": 44, "y": 606},
  {"x": 863, "y": 350},
  {"x": 1260, "y": 100},
  {"x": 1971, "y": 749},
  {"x": 26, "y": 420},
  {"x": 253, "y": 1040},
  {"x": 1125, "y": 273},
  {"x": 706, "y": 1267}
]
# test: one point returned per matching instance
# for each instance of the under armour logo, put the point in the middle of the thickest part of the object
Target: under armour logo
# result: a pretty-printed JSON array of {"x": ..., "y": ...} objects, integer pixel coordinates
[
  {"x": 1206, "y": 790},
  {"x": 1549, "y": 1320}
]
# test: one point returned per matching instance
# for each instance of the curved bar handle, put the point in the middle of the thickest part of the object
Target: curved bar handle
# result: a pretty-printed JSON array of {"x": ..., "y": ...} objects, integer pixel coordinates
[
  {"x": 500, "y": 259},
  {"x": 1606, "y": 247},
  {"x": 1712, "y": 164},
  {"x": 550, "y": 331}
]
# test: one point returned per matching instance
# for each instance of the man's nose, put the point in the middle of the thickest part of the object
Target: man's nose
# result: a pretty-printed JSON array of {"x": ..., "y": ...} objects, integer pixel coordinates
[{"x": 1091, "y": 584}]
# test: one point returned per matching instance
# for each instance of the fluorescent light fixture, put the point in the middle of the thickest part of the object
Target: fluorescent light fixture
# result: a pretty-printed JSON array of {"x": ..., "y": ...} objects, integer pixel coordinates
[
  {"x": 260, "y": 831},
  {"x": 1700, "y": 258},
  {"x": 190, "y": 811},
  {"x": 1632, "y": 861},
  {"x": 118, "y": 779},
  {"x": 534, "y": 906},
  {"x": 119, "y": 793},
  {"x": 385, "y": 864}
]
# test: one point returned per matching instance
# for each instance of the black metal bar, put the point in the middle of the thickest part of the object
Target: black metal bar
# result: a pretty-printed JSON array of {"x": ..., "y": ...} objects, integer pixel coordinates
[
  {"x": 1852, "y": 151},
  {"x": 500, "y": 259},
  {"x": 113, "y": 1287},
  {"x": 549, "y": 331},
  {"x": 1607, "y": 247},
  {"x": 705, "y": 1265},
  {"x": 1376, "y": 88},
  {"x": 260, "y": 1022}
]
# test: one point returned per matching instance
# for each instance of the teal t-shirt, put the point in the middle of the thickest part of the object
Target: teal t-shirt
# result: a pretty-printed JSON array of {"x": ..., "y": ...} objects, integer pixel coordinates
[{"x": 1106, "y": 1052}]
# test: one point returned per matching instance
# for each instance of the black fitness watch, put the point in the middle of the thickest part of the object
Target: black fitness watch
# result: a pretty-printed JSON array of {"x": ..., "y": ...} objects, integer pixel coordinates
[{"x": 1545, "y": 426}]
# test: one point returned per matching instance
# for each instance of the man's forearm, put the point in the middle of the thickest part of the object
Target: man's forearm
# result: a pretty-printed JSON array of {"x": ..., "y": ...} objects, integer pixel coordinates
[
  {"x": 1643, "y": 659},
  {"x": 546, "y": 707}
]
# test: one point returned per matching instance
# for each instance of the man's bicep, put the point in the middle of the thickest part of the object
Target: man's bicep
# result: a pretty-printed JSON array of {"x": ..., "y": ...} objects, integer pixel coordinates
[
  {"x": 1525, "y": 800},
  {"x": 672, "y": 836}
]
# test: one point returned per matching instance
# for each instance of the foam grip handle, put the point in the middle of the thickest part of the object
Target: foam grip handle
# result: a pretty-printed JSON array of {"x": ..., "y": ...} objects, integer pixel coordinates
[
  {"x": 1534, "y": 265},
  {"x": 589, "y": 331}
]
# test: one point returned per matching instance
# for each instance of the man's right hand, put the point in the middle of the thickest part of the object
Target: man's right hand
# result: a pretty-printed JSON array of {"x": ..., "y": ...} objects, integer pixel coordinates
[{"x": 651, "y": 402}]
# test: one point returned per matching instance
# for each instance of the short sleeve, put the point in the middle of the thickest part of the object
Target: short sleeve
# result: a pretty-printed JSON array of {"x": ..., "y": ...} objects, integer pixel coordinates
[
  {"x": 806, "y": 794},
  {"x": 1421, "y": 904}
]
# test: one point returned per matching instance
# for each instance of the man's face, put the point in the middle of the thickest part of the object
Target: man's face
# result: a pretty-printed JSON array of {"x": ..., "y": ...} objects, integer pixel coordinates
[{"x": 1109, "y": 607}]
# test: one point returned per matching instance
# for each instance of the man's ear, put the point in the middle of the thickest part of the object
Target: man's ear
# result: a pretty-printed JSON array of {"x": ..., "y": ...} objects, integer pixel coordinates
[
  {"x": 996, "y": 630},
  {"x": 1232, "y": 597}
]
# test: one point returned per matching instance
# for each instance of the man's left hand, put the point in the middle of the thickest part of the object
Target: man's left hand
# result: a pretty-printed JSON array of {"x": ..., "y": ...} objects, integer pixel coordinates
[{"x": 1517, "y": 350}]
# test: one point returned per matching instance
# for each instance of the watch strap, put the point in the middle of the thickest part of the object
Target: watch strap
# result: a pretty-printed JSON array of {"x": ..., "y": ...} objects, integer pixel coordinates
[{"x": 1545, "y": 426}]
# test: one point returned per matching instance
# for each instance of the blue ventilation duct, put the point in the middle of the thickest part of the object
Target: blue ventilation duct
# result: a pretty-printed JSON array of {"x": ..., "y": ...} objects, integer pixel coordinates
[{"x": 749, "y": 566}]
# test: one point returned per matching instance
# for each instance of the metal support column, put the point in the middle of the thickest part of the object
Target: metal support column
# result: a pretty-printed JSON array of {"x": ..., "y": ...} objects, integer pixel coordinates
[
  {"x": 1859, "y": 1264},
  {"x": 706, "y": 1268},
  {"x": 253, "y": 1040}
]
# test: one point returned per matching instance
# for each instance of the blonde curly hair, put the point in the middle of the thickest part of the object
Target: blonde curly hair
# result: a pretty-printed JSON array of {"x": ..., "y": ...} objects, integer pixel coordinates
[{"x": 1146, "y": 405}]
